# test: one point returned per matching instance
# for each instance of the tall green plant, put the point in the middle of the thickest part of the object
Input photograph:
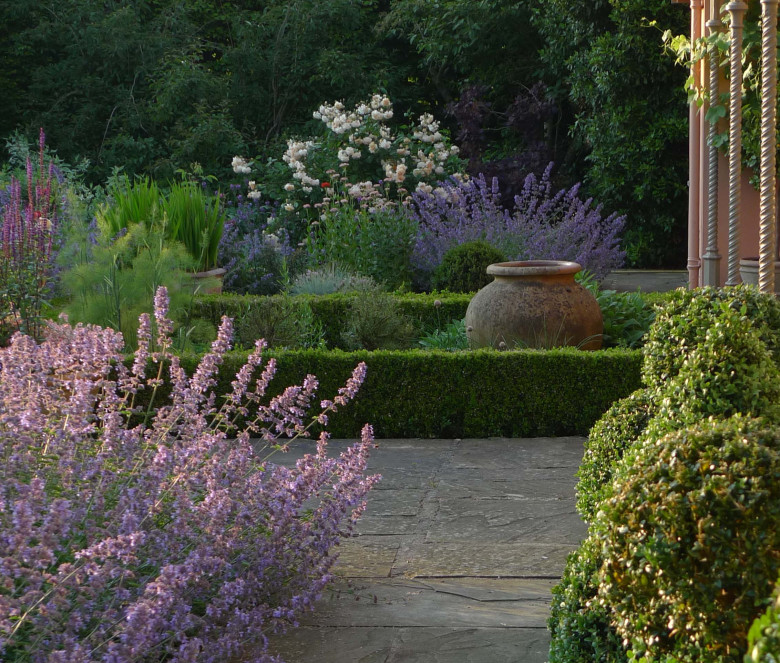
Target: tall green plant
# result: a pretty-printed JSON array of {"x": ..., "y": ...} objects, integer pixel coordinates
[
  {"x": 118, "y": 280},
  {"x": 196, "y": 220},
  {"x": 130, "y": 202}
]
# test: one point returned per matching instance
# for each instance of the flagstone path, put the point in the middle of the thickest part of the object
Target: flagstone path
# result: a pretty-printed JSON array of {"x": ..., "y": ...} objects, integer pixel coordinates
[{"x": 455, "y": 556}]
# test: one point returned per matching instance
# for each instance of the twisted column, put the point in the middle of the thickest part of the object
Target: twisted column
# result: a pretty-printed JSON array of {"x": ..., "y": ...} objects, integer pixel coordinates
[
  {"x": 767, "y": 230},
  {"x": 711, "y": 257},
  {"x": 736, "y": 9}
]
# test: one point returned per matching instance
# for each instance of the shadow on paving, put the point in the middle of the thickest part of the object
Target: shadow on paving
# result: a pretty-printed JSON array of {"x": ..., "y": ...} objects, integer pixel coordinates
[{"x": 454, "y": 558}]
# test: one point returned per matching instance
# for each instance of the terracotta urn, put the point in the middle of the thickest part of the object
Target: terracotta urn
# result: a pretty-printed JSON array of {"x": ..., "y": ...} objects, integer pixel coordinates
[
  {"x": 210, "y": 282},
  {"x": 534, "y": 304}
]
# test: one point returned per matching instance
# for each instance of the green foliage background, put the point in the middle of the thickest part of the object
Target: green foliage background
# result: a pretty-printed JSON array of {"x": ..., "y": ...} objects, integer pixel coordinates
[{"x": 153, "y": 86}]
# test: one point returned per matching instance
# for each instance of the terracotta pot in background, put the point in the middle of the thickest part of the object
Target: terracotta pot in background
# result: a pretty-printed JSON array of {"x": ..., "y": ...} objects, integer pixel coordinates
[
  {"x": 210, "y": 282},
  {"x": 534, "y": 304}
]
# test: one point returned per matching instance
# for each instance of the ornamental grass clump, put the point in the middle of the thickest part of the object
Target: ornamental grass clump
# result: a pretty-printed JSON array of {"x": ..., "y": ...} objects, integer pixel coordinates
[
  {"x": 164, "y": 539},
  {"x": 543, "y": 224}
]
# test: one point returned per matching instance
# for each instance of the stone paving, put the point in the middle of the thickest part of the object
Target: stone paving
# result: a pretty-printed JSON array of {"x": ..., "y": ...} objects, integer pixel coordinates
[{"x": 455, "y": 556}]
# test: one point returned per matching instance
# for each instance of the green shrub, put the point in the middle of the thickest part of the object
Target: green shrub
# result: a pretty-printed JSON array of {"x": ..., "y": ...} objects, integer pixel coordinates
[
  {"x": 730, "y": 371},
  {"x": 627, "y": 318},
  {"x": 116, "y": 283},
  {"x": 619, "y": 428},
  {"x": 376, "y": 244},
  {"x": 764, "y": 635},
  {"x": 451, "y": 338},
  {"x": 329, "y": 279},
  {"x": 690, "y": 540},
  {"x": 131, "y": 203},
  {"x": 196, "y": 220},
  {"x": 374, "y": 321},
  {"x": 331, "y": 311},
  {"x": 580, "y": 630},
  {"x": 682, "y": 324},
  {"x": 462, "y": 268},
  {"x": 484, "y": 393},
  {"x": 284, "y": 322}
]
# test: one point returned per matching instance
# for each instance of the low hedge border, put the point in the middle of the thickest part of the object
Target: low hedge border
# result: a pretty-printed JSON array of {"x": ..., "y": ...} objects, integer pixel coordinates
[{"x": 482, "y": 393}]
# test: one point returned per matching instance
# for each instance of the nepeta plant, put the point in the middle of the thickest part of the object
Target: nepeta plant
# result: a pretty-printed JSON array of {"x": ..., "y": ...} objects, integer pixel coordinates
[
  {"x": 544, "y": 225},
  {"x": 250, "y": 252},
  {"x": 26, "y": 235},
  {"x": 160, "y": 540}
]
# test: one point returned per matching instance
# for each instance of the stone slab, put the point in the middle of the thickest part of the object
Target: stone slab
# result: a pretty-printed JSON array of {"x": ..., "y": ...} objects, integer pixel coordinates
[
  {"x": 413, "y": 645},
  {"x": 656, "y": 280},
  {"x": 369, "y": 525},
  {"x": 495, "y": 560},
  {"x": 530, "y": 484},
  {"x": 435, "y": 602},
  {"x": 368, "y": 556},
  {"x": 395, "y": 502},
  {"x": 504, "y": 456},
  {"x": 507, "y": 521}
]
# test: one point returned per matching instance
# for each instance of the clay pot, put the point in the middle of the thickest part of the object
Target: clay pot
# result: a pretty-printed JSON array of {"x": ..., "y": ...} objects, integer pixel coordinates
[
  {"x": 748, "y": 271},
  {"x": 534, "y": 304},
  {"x": 210, "y": 282}
]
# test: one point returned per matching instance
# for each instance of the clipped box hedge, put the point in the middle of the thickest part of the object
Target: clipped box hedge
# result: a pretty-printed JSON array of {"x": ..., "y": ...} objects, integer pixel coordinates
[{"x": 483, "y": 393}]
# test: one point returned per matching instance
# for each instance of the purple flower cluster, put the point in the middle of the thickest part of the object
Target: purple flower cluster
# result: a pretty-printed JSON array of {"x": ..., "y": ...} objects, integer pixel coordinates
[
  {"x": 166, "y": 540},
  {"x": 250, "y": 253},
  {"x": 27, "y": 230},
  {"x": 544, "y": 225}
]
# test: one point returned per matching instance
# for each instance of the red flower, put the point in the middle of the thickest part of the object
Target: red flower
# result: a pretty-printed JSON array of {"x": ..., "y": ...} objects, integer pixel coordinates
[{"x": 325, "y": 184}]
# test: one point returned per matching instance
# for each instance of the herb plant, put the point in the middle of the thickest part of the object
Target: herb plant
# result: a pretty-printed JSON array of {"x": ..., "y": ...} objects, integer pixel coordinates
[{"x": 175, "y": 538}]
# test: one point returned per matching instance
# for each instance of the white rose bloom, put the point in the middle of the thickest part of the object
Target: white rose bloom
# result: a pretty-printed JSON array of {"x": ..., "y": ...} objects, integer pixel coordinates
[
  {"x": 307, "y": 189},
  {"x": 372, "y": 147},
  {"x": 289, "y": 187},
  {"x": 439, "y": 170},
  {"x": 289, "y": 207},
  {"x": 386, "y": 102},
  {"x": 254, "y": 195},
  {"x": 384, "y": 144},
  {"x": 376, "y": 115},
  {"x": 454, "y": 149}
]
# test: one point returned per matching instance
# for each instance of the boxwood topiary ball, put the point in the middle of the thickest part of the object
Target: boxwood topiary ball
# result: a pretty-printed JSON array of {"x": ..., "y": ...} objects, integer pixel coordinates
[
  {"x": 462, "y": 268},
  {"x": 682, "y": 324},
  {"x": 690, "y": 540},
  {"x": 618, "y": 428}
]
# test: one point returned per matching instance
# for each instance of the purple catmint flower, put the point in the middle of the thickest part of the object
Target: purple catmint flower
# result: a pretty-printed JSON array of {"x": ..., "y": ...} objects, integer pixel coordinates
[
  {"x": 543, "y": 224},
  {"x": 170, "y": 539}
]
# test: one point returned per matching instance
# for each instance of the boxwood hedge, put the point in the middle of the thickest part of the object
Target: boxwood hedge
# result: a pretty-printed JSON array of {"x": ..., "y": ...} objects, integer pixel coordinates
[{"x": 483, "y": 393}]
